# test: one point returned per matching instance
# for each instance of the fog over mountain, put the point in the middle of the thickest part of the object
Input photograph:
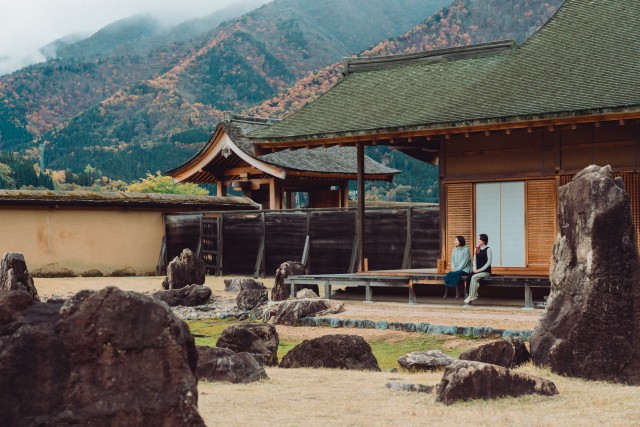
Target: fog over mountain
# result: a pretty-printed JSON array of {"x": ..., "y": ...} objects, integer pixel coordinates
[{"x": 26, "y": 26}]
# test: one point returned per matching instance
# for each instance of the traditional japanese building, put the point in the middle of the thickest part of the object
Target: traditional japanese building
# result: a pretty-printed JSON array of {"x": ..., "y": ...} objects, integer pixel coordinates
[
  {"x": 507, "y": 124},
  {"x": 320, "y": 174}
]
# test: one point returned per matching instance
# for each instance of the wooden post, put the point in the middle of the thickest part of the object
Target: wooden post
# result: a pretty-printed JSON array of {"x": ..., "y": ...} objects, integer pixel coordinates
[
  {"x": 264, "y": 242},
  {"x": 360, "y": 226},
  {"x": 275, "y": 194},
  {"x": 528, "y": 297},
  {"x": 345, "y": 194},
  {"x": 289, "y": 200},
  {"x": 412, "y": 292},
  {"x": 220, "y": 248},
  {"x": 221, "y": 189}
]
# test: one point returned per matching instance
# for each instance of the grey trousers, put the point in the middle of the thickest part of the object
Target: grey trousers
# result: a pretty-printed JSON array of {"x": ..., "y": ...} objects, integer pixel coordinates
[{"x": 475, "y": 284}]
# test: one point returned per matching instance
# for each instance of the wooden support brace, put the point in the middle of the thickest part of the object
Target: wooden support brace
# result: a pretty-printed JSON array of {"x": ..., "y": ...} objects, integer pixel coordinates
[
  {"x": 305, "y": 253},
  {"x": 406, "y": 260},
  {"x": 220, "y": 246},
  {"x": 327, "y": 290},
  {"x": 353, "y": 263},
  {"x": 259, "y": 268}
]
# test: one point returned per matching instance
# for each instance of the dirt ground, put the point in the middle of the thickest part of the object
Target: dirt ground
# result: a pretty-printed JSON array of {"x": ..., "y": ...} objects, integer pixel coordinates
[{"x": 505, "y": 314}]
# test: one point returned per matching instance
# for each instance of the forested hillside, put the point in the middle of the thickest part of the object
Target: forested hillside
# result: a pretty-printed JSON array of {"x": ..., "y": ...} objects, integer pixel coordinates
[{"x": 130, "y": 111}]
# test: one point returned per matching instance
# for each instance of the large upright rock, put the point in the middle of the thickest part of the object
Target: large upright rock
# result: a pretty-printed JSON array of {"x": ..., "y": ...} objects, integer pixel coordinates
[
  {"x": 465, "y": 380},
  {"x": 189, "y": 296},
  {"x": 420, "y": 361},
  {"x": 508, "y": 353},
  {"x": 260, "y": 340},
  {"x": 242, "y": 284},
  {"x": 332, "y": 351},
  {"x": 184, "y": 270},
  {"x": 224, "y": 365},
  {"x": 591, "y": 327},
  {"x": 248, "y": 299},
  {"x": 289, "y": 312},
  {"x": 103, "y": 358},
  {"x": 280, "y": 290},
  {"x": 14, "y": 275}
]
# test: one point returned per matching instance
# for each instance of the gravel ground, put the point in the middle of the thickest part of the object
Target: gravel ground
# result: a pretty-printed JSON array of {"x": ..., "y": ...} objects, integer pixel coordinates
[{"x": 499, "y": 314}]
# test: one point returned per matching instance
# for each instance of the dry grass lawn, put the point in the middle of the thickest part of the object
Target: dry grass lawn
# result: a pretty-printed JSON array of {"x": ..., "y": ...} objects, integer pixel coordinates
[
  {"x": 324, "y": 397},
  {"x": 320, "y": 397}
]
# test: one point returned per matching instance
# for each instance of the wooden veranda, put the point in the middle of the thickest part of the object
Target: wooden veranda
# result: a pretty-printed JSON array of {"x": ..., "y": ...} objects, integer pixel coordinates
[{"x": 411, "y": 278}]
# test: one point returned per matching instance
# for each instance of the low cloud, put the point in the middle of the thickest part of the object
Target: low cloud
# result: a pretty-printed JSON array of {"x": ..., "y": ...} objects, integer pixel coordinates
[{"x": 28, "y": 25}]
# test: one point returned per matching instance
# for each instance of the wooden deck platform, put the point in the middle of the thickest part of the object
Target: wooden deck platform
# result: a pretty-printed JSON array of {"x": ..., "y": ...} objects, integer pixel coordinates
[{"x": 411, "y": 278}]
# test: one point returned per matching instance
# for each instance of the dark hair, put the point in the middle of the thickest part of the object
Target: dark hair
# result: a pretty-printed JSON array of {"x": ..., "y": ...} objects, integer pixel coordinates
[
  {"x": 484, "y": 238},
  {"x": 461, "y": 240}
]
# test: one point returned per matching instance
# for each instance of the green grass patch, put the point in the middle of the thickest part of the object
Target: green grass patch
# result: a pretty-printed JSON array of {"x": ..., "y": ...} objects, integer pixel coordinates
[
  {"x": 387, "y": 351},
  {"x": 211, "y": 329}
]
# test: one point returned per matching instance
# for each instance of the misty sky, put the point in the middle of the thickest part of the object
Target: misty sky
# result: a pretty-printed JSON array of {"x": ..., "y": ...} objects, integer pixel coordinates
[{"x": 27, "y": 25}]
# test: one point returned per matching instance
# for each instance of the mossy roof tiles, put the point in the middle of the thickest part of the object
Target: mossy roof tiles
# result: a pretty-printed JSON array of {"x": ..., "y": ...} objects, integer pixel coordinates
[{"x": 585, "y": 60}]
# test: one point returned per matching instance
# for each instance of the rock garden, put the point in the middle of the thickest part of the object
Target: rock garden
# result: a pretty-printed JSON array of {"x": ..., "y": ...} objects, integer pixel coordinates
[{"x": 193, "y": 350}]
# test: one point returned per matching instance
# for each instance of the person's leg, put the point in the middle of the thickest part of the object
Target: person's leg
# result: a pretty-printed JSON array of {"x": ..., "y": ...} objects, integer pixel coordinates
[{"x": 474, "y": 285}]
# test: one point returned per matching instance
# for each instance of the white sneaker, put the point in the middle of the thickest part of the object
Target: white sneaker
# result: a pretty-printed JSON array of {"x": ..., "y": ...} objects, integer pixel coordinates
[{"x": 467, "y": 300}]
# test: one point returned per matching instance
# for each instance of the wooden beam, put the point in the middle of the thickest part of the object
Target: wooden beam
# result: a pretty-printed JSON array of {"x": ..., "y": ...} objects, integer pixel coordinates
[{"x": 247, "y": 170}]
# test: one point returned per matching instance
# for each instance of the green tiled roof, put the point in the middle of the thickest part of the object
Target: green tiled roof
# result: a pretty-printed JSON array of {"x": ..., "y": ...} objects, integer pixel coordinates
[
  {"x": 332, "y": 160},
  {"x": 585, "y": 60},
  {"x": 339, "y": 160}
]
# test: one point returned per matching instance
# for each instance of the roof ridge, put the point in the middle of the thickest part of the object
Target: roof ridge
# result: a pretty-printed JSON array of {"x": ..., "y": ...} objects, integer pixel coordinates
[
  {"x": 231, "y": 117},
  {"x": 353, "y": 65}
]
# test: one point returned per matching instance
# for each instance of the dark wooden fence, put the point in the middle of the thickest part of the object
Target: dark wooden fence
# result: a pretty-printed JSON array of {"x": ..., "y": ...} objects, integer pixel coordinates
[{"x": 394, "y": 238}]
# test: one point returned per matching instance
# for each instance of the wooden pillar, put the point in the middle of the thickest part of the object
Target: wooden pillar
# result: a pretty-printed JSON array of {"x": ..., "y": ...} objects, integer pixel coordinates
[
  {"x": 442, "y": 200},
  {"x": 360, "y": 226},
  {"x": 289, "y": 199},
  {"x": 221, "y": 189},
  {"x": 275, "y": 194},
  {"x": 344, "y": 197}
]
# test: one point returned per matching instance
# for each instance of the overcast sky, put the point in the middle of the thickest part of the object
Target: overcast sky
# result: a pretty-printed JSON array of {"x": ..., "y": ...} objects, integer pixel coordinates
[{"x": 27, "y": 25}]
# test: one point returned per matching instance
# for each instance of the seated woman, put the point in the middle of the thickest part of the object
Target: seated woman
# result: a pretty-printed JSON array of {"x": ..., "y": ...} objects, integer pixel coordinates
[
  {"x": 481, "y": 267},
  {"x": 460, "y": 264}
]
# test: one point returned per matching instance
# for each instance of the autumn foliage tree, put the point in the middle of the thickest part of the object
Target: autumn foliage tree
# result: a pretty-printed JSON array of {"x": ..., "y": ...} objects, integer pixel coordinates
[{"x": 164, "y": 184}]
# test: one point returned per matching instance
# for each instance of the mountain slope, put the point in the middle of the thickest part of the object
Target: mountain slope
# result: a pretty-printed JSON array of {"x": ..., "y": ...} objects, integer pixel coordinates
[
  {"x": 462, "y": 23},
  {"x": 243, "y": 62}
]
